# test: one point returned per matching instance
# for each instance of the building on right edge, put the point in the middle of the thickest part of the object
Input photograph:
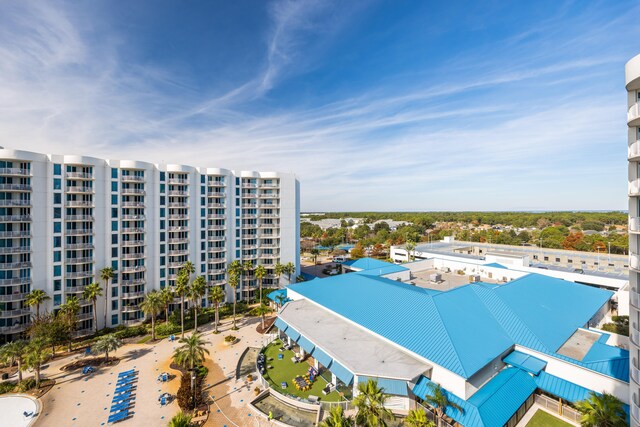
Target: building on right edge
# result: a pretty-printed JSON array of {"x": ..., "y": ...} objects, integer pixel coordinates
[{"x": 632, "y": 81}]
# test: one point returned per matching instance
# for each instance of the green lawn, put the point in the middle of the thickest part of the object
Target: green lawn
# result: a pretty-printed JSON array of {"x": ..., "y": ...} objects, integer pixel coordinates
[
  {"x": 545, "y": 419},
  {"x": 286, "y": 370}
]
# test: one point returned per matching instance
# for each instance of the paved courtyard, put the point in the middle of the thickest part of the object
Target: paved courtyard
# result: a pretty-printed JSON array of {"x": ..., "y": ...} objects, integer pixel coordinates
[{"x": 78, "y": 400}]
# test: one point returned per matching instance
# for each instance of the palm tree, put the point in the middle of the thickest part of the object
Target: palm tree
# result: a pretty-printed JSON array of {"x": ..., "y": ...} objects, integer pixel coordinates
[
  {"x": 14, "y": 352},
  {"x": 370, "y": 403},
  {"x": 37, "y": 352},
  {"x": 278, "y": 270},
  {"x": 336, "y": 418},
  {"x": 235, "y": 270},
  {"x": 260, "y": 273},
  {"x": 166, "y": 295},
  {"x": 410, "y": 245},
  {"x": 439, "y": 400},
  {"x": 289, "y": 269},
  {"x": 602, "y": 410},
  {"x": 418, "y": 418},
  {"x": 35, "y": 298},
  {"x": 182, "y": 289},
  {"x": 192, "y": 351},
  {"x": 247, "y": 268},
  {"x": 107, "y": 274},
  {"x": 152, "y": 306},
  {"x": 107, "y": 343},
  {"x": 92, "y": 292},
  {"x": 180, "y": 420},
  {"x": 69, "y": 310},
  {"x": 197, "y": 291},
  {"x": 217, "y": 296},
  {"x": 280, "y": 300},
  {"x": 314, "y": 254}
]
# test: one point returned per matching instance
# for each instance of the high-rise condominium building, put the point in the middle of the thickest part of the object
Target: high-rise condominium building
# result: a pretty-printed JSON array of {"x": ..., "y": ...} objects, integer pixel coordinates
[
  {"x": 632, "y": 80},
  {"x": 64, "y": 218}
]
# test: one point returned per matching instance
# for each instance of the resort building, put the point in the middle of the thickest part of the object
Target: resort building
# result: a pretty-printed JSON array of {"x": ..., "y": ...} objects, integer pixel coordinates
[
  {"x": 63, "y": 218},
  {"x": 495, "y": 348},
  {"x": 632, "y": 81}
]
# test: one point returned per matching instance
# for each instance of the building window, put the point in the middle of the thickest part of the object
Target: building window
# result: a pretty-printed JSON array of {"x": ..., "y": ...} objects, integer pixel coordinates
[
  {"x": 114, "y": 252},
  {"x": 162, "y": 199},
  {"x": 57, "y": 198},
  {"x": 57, "y": 271},
  {"x": 57, "y": 184},
  {"x": 114, "y": 292},
  {"x": 162, "y": 176},
  {"x": 57, "y": 300},
  {"x": 162, "y": 272},
  {"x": 557, "y": 259},
  {"x": 57, "y": 169},
  {"x": 114, "y": 264},
  {"x": 114, "y": 305},
  {"x": 114, "y": 319},
  {"x": 57, "y": 256},
  {"x": 114, "y": 239},
  {"x": 114, "y": 212},
  {"x": 114, "y": 185},
  {"x": 114, "y": 173},
  {"x": 162, "y": 212},
  {"x": 162, "y": 188},
  {"x": 114, "y": 199},
  {"x": 57, "y": 212},
  {"x": 57, "y": 227},
  {"x": 202, "y": 179},
  {"x": 57, "y": 241},
  {"x": 114, "y": 225}
]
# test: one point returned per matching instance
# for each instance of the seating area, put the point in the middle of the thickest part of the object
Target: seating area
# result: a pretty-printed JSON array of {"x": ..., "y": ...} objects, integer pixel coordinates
[{"x": 123, "y": 397}]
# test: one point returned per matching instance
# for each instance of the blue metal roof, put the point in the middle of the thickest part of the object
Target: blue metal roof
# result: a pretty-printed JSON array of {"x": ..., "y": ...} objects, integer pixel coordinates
[
  {"x": 608, "y": 360},
  {"x": 322, "y": 357},
  {"x": 307, "y": 345},
  {"x": 465, "y": 328},
  {"x": 561, "y": 388},
  {"x": 367, "y": 263},
  {"x": 496, "y": 265},
  {"x": 280, "y": 324},
  {"x": 525, "y": 362},
  {"x": 341, "y": 372},
  {"x": 390, "y": 386},
  {"x": 491, "y": 406}
]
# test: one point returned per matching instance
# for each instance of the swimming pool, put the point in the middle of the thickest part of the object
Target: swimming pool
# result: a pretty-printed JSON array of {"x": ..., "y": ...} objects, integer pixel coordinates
[{"x": 13, "y": 408}]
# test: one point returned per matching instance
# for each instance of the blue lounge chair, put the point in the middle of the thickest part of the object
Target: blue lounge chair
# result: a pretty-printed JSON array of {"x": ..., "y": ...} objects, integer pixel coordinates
[
  {"x": 123, "y": 389},
  {"x": 120, "y": 407},
  {"x": 125, "y": 382},
  {"x": 163, "y": 401},
  {"x": 119, "y": 416},
  {"x": 126, "y": 376},
  {"x": 121, "y": 397}
]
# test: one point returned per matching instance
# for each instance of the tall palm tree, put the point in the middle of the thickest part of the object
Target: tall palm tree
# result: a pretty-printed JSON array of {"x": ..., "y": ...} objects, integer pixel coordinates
[
  {"x": 35, "y": 298},
  {"x": 234, "y": 270},
  {"x": 337, "y": 418},
  {"x": 289, "y": 269},
  {"x": 37, "y": 352},
  {"x": 217, "y": 296},
  {"x": 602, "y": 410},
  {"x": 247, "y": 268},
  {"x": 418, "y": 418},
  {"x": 152, "y": 306},
  {"x": 182, "y": 289},
  {"x": 106, "y": 274},
  {"x": 107, "y": 343},
  {"x": 278, "y": 270},
  {"x": 166, "y": 296},
  {"x": 180, "y": 419},
  {"x": 409, "y": 245},
  {"x": 69, "y": 311},
  {"x": 189, "y": 268},
  {"x": 197, "y": 291},
  {"x": 370, "y": 403},
  {"x": 438, "y": 398},
  {"x": 192, "y": 351},
  {"x": 14, "y": 352},
  {"x": 260, "y": 273},
  {"x": 91, "y": 293},
  {"x": 280, "y": 299}
]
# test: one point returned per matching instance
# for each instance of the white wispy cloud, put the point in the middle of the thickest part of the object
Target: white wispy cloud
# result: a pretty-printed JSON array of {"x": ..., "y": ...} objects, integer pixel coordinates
[{"x": 475, "y": 138}]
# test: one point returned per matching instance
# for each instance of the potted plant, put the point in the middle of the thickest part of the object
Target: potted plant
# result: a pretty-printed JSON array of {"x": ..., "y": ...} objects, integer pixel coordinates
[
  {"x": 250, "y": 378},
  {"x": 256, "y": 391},
  {"x": 230, "y": 340}
]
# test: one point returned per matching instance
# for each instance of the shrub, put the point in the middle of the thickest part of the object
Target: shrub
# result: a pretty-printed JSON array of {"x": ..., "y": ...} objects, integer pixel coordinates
[
  {"x": 134, "y": 331},
  {"x": 167, "y": 328},
  {"x": 184, "y": 395},
  {"x": 616, "y": 328},
  {"x": 7, "y": 387},
  {"x": 25, "y": 385},
  {"x": 229, "y": 338}
]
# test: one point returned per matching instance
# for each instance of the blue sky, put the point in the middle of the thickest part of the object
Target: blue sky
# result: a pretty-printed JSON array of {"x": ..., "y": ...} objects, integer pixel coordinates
[{"x": 374, "y": 105}]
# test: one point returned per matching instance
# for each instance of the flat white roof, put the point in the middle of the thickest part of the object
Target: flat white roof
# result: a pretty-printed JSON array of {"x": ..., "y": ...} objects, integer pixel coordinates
[{"x": 356, "y": 349}]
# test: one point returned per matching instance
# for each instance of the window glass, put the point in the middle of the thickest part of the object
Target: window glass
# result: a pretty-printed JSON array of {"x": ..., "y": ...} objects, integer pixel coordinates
[
  {"x": 57, "y": 184},
  {"x": 57, "y": 169}
]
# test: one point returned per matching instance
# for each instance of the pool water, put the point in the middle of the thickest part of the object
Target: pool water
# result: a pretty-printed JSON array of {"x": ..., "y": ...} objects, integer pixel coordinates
[
  {"x": 13, "y": 408},
  {"x": 285, "y": 413},
  {"x": 247, "y": 362}
]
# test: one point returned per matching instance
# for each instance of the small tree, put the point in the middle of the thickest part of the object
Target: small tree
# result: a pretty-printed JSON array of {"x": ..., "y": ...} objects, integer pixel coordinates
[
  {"x": 235, "y": 271},
  {"x": 410, "y": 245},
  {"x": 602, "y": 410},
  {"x": 217, "y": 296},
  {"x": 166, "y": 295},
  {"x": 438, "y": 398},
  {"x": 418, "y": 418},
  {"x": 180, "y": 419},
  {"x": 35, "y": 298},
  {"x": 278, "y": 270},
  {"x": 370, "y": 403},
  {"x": 337, "y": 418},
  {"x": 151, "y": 306},
  {"x": 357, "y": 251},
  {"x": 69, "y": 312},
  {"x": 14, "y": 352},
  {"x": 92, "y": 292},
  {"x": 36, "y": 354},
  {"x": 107, "y": 343},
  {"x": 289, "y": 269}
]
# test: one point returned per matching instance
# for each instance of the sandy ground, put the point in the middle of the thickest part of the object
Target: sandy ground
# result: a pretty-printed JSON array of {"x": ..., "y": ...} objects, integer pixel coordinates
[{"x": 78, "y": 400}]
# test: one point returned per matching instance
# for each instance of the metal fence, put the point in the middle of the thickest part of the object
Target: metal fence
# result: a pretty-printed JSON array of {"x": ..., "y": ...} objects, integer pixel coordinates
[
  {"x": 556, "y": 407},
  {"x": 432, "y": 416}
]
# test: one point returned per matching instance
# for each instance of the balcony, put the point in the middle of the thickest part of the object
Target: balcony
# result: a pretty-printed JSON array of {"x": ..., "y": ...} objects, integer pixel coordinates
[
  {"x": 139, "y": 255},
  {"x": 17, "y": 233},
  {"x": 178, "y": 193},
  {"x": 79, "y": 246},
  {"x": 15, "y": 218},
  {"x": 15, "y": 250},
  {"x": 15, "y": 329},
  {"x": 635, "y": 372},
  {"x": 5, "y": 314},
  {"x": 216, "y": 271},
  {"x": 128, "y": 295},
  {"x": 269, "y": 196},
  {"x": 132, "y": 242},
  {"x": 216, "y": 227},
  {"x": 13, "y": 297},
  {"x": 133, "y": 269},
  {"x": 220, "y": 194},
  {"x": 215, "y": 216},
  {"x": 134, "y": 217},
  {"x": 633, "y": 115},
  {"x": 269, "y": 216},
  {"x": 15, "y": 172},
  {"x": 84, "y": 316},
  {"x": 270, "y": 256},
  {"x": 132, "y": 178},
  {"x": 136, "y": 191},
  {"x": 132, "y": 230},
  {"x": 216, "y": 282},
  {"x": 79, "y": 189},
  {"x": 79, "y": 175},
  {"x": 132, "y": 204},
  {"x": 268, "y": 245},
  {"x": 215, "y": 205},
  {"x": 15, "y": 202},
  {"x": 134, "y": 282},
  {"x": 79, "y": 218},
  {"x": 130, "y": 308},
  {"x": 79, "y": 203},
  {"x": 264, "y": 185},
  {"x": 14, "y": 265},
  {"x": 74, "y": 289},
  {"x": 249, "y": 185},
  {"x": 216, "y": 238},
  {"x": 177, "y": 229},
  {"x": 180, "y": 181},
  {"x": 178, "y": 216},
  {"x": 83, "y": 260},
  {"x": 178, "y": 240},
  {"x": 132, "y": 322},
  {"x": 78, "y": 274},
  {"x": 178, "y": 252},
  {"x": 78, "y": 231},
  {"x": 178, "y": 205},
  {"x": 15, "y": 187},
  {"x": 215, "y": 183},
  {"x": 82, "y": 332}
]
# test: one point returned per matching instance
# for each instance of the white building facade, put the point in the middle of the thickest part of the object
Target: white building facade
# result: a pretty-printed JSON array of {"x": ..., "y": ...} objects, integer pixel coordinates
[
  {"x": 632, "y": 81},
  {"x": 64, "y": 218}
]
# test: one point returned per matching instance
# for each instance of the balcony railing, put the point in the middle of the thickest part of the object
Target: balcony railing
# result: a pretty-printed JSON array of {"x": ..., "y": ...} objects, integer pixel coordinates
[
  {"x": 5, "y": 330},
  {"x": 78, "y": 274},
  {"x": 178, "y": 216},
  {"x": 15, "y": 218},
  {"x": 178, "y": 181},
  {"x": 79, "y": 175},
  {"x": 132, "y": 178},
  {"x": 15, "y": 250},
  {"x": 634, "y": 261},
  {"x": 133, "y": 294},
  {"x": 78, "y": 203},
  {"x": 139, "y": 255},
  {"x": 17, "y": 233},
  {"x": 15, "y": 202},
  {"x": 79, "y": 218},
  {"x": 134, "y": 217},
  {"x": 13, "y": 297},
  {"x": 132, "y": 230},
  {"x": 132, "y": 204},
  {"x": 134, "y": 282},
  {"x": 83, "y": 260},
  {"x": 78, "y": 231},
  {"x": 130, "y": 308},
  {"x": 178, "y": 205},
  {"x": 132, "y": 242},
  {"x": 133, "y": 269},
  {"x": 15, "y": 187},
  {"x": 15, "y": 171},
  {"x": 79, "y": 189},
  {"x": 4, "y": 314},
  {"x": 633, "y": 113},
  {"x": 132, "y": 191},
  {"x": 79, "y": 246}
]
